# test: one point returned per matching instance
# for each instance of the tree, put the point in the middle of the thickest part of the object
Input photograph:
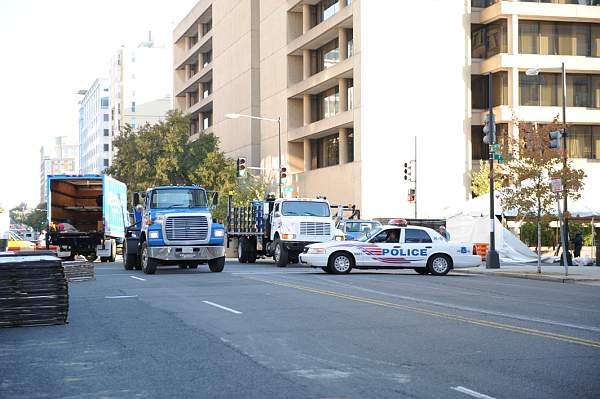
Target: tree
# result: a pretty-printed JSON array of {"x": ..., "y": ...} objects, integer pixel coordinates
[
  {"x": 17, "y": 214},
  {"x": 531, "y": 163},
  {"x": 161, "y": 154}
]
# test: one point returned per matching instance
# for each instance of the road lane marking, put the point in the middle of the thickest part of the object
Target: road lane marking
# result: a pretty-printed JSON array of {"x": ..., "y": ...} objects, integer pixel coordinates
[
  {"x": 222, "y": 307},
  {"x": 466, "y": 308},
  {"x": 472, "y": 393},
  {"x": 449, "y": 316},
  {"x": 120, "y": 296},
  {"x": 138, "y": 278}
]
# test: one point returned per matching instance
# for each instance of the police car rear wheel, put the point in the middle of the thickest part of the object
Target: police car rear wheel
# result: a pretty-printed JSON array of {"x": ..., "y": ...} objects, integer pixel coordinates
[
  {"x": 341, "y": 263},
  {"x": 439, "y": 265}
]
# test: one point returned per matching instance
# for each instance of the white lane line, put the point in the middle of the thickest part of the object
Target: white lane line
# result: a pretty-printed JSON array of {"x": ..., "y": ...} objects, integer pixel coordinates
[
  {"x": 222, "y": 307},
  {"x": 120, "y": 296},
  {"x": 472, "y": 393},
  {"x": 138, "y": 278}
]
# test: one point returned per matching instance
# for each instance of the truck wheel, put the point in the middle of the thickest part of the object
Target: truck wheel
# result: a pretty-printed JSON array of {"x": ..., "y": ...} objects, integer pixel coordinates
[
  {"x": 130, "y": 261},
  {"x": 216, "y": 265},
  {"x": 194, "y": 266},
  {"x": 242, "y": 250},
  {"x": 113, "y": 251},
  {"x": 439, "y": 265},
  {"x": 341, "y": 263},
  {"x": 91, "y": 258},
  {"x": 148, "y": 264},
  {"x": 252, "y": 250},
  {"x": 280, "y": 254}
]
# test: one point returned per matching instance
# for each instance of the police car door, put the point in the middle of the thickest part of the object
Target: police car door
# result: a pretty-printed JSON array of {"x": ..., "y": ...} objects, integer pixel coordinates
[
  {"x": 416, "y": 246},
  {"x": 384, "y": 248}
]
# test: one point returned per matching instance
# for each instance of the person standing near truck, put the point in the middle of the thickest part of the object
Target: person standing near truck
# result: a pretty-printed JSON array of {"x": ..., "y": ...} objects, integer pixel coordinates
[{"x": 577, "y": 244}]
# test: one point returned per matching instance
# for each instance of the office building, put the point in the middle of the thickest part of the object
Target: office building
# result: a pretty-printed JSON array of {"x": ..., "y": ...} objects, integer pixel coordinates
[
  {"x": 95, "y": 145},
  {"x": 61, "y": 159}
]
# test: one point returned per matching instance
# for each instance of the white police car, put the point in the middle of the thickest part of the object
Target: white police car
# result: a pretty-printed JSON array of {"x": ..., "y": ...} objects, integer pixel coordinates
[{"x": 392, "y": 247}]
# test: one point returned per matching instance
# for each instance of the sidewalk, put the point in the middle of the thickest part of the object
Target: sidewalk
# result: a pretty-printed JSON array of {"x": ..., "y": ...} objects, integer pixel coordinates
[{"x": 550, "y": 272}]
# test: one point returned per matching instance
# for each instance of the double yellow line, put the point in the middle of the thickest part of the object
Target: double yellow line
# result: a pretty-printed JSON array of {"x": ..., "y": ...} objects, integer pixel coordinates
[{"x": 479, "y": 322}]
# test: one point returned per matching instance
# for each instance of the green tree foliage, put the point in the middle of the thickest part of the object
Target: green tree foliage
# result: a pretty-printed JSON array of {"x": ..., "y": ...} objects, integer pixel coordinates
[
  {"x": 161, "y": 154},
  {"x": 480, "y": 180},
  {"x": 18, "y": 213},
  {"x": 527, "y": 175}
]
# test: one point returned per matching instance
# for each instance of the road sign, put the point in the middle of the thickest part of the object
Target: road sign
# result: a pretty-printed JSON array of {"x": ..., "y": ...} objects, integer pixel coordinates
[{"x": 557, "y": 186}]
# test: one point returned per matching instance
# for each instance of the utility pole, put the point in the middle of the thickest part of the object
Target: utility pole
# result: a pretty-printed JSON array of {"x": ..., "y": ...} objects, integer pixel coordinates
[
  {"x": 415, "y": 173},
  {"x": 565, "y": 231},
  {"x": 493, "y": 258}
]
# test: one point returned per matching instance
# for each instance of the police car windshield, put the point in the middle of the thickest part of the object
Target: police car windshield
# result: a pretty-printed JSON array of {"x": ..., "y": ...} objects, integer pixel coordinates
[
  {"x": 367, "y": 235},
  {"x": 305, "y": 208},
  {"x": 178, "y": 198}
]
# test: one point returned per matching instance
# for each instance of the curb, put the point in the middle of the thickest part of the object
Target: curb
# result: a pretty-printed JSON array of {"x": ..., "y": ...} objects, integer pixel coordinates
[{"x": 533, "y": 276}]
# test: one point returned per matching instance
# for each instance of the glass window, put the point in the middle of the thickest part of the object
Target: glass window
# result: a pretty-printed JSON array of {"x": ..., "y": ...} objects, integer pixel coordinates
[
  {"x": 105, "y": 147},
  {"x": 106, "y": 133},
  {"x": 106, "y": 162},
  {"x": 350, "y": 94},
  {"x": 305, "y": 208},
  {"x": 105, "y": 117},
  {"x": 416, "y": 236},
  {"x": 350, "y": 143},
  {"x": 178, "y": 198},
  {"x": 133, "y": 106},
  {"x": 390, "y": 236},
  {"x": 548, "y": 41},
  {"x": 325, "y": 152},
  {"x": 580, "y": 142},
  {"x": 350, "y": 43},
  {"x": 104, "y": 102},
  {"x": 528, "y": 37},
  {"x": 325, "y": 57},
  {"x": 479, "y": 90},
  {"x": 477, "y": 41},
  {"x": 479, "y": 150},
  {"x": 595, "y": 38},
  {"x": 496, "y": 37},
  {"x": 529, "y": 90},
  {"x": 328, "y": 9},
  {"x": 328, "y": 103},
  {"x": 578, "y": 91}
]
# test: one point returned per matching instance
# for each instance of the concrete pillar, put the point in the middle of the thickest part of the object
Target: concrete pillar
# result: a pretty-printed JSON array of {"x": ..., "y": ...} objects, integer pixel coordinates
[
  {"x": 343, "y": 43},
  {"x": 306, "y": 8},
  {"x": 186, "y": 41},
  {"x": 307, "y": 109},
  {"x": 513, "y": 87},
  {"x": 343, "y": 87},
  {"x": 306, "y": 64},
  {"x": 200, "y": 31},
  {"x": 307, "y": 155},
  {"x": 343, "y": 147},
  {"x": 187, "y": 100},
  {"x": 512, "y": 31},
  {"x": 187, "y": 71}
]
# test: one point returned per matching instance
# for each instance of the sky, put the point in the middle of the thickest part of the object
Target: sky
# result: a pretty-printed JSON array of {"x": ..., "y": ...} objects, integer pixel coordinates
[{"x": 50, "y": 50}]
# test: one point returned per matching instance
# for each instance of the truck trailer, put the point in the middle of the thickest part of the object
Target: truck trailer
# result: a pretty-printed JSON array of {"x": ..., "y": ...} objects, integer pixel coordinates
[{"x": 87, "y": 216}]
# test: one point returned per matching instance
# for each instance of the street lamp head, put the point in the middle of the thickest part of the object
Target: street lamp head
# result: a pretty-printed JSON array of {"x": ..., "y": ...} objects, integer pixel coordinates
[
  {"x": 532, "y": 72},
  {"x": 232, "y": 116}
]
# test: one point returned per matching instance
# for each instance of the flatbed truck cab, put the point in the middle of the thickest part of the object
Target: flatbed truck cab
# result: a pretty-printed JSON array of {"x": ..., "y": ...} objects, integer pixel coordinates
[{"x": 176, "y": 228}]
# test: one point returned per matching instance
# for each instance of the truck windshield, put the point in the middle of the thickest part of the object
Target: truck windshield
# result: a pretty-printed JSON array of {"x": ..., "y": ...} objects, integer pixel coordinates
[
  {"x": 178, "y": 198},
  {"x": 305, "y": 208}
]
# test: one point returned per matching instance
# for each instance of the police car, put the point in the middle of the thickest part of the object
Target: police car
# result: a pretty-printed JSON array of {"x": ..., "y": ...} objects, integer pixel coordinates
[{"x": 392, "y": 247}]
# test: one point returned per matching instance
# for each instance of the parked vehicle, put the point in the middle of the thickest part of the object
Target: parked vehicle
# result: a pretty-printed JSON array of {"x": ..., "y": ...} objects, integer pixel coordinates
[
  {"x": 353, "y": 228},
  {"x": 174, "y": 225},
  {"x": 393, "y": 247},
  {"x": 18, "y": 243},
  {"x": 87, "y": 216},
  {"x": 279, "y": 228}
]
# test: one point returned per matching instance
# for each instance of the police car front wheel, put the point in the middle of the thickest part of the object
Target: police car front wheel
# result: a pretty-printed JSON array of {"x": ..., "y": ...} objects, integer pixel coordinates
[
  {"x": 341, "y": 263},
  {"x": 439, "y": 265}
]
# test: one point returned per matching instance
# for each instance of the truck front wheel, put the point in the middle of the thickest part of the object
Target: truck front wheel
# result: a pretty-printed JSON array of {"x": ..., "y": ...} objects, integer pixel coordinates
[
  {"x": 280, "y": 254},
  {"x": 216, "y": 265},
  {"x": 148, "y": 264},
  {"x": 113, "y": 251}
]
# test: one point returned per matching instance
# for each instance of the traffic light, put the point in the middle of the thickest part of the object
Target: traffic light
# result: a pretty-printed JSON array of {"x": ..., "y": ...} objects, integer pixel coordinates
[
  {"x": 489, "y": 129},
  {"x": 412, "y": 195},
  {"x": 283, "y": 174},
  {"x": 555, "y": 138},
  {"x": 408, "y": 171},
  {"x": 241, "y": 167}
]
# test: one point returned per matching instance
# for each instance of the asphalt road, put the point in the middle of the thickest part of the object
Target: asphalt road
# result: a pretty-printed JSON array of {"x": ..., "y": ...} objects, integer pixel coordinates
[{"x": 258, "y": 331}]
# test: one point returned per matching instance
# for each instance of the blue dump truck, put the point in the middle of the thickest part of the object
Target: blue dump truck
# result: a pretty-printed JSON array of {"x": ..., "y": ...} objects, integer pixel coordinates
[
  {"x": 174, "y": 226},
  {"x": 87, "y": 215}
]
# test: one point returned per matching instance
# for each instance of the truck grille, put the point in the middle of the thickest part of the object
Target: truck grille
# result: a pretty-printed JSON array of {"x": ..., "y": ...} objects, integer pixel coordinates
[
  {"x": 315, "y": 229},
  {"x": 186, "y": 228}
]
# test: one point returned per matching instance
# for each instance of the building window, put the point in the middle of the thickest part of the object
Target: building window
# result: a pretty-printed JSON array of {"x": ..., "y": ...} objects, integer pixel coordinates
[
  {"x": 350, "y": 94},
  {"x": 206, "y": 89},
  {"x": 105, "y": 147},
  {"x": 479, "y": 90},
  {"x": 325, "y": 57},
  {"x": 325, "y": 152},
  {"x": 545, "y": 89},
  {"x": 105, "y": 132},
  {"x": 104, "y": 102},
  {"x": 206, "y": 58},
  {"x": 328, "y": 103},
  {"x": 489, "y": 40},
  {"x": 106, "y": 162},
  {"x": 105, "y": 117},
  {"x": 133, "y": 106},
  {"x": 350, "y": 144},
  {"x": 479, "y": 150},
  {"x": 327, "y": 9},
  {"x": 350, "y": 41},
  {"x": 584, "y": 142},
  {"x": 559, "y": 38}
]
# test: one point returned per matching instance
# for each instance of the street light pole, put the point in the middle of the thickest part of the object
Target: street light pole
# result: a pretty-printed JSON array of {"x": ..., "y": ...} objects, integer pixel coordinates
[
  {"x": 279, "y": 138},
  {"x": 493, "y": 258},
  {"x": 565, "y": 231}
]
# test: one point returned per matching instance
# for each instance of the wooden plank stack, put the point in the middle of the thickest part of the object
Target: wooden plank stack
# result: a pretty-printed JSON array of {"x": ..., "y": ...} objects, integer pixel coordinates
[
  {"x": 79, "y": 271},
  {"x": 33, "y": 291}
]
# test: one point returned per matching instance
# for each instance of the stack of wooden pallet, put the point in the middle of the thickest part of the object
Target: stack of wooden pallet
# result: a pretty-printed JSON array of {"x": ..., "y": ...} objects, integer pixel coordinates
[
  {"x": 79, "y": 271},
  {"x": 33, "y": 291}
]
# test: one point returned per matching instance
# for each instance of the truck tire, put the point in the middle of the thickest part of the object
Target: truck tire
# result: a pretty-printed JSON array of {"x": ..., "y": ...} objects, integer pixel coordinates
[
  {"x": 216, "y": 265},
  {"x": 242, "y": 250},
  {"x": 280, "y": 254},
  {"x": 130, "y": 261},
  {"x": 113, "y": 251},
  {"x": 91, "y": 258},
  {"x": 148, "y": 264},
  {"x": 252, "y": 250}
]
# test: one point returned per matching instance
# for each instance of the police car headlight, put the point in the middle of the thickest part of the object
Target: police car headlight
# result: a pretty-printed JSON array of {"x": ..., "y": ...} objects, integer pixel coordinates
[
  {"x": 219, "y": 233},
  {"x": 154, "y": 234},
  {"x": 320, "y": 251}
]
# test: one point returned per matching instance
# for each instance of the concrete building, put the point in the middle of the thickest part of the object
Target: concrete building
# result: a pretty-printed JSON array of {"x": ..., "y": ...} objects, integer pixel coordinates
[
  {"x": 140, "y": 85},
  {"x": 95, "y": 145},
  {"x": 61, "y": 159},
  {"x": 353, "y": 101}
]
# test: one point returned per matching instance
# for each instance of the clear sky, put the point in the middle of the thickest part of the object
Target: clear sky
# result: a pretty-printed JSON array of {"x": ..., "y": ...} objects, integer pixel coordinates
[{"x": 50, "y": 50}]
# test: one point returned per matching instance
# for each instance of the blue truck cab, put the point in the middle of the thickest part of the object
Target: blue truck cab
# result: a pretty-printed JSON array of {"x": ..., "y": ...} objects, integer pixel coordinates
[{"x": 175, "y": 227}]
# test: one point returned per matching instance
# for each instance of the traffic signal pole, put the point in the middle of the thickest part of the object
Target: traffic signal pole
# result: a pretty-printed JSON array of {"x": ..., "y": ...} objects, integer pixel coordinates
[
  {"x": 565, "y": 231},
  {"x": 493, "y": 258}
]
